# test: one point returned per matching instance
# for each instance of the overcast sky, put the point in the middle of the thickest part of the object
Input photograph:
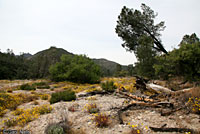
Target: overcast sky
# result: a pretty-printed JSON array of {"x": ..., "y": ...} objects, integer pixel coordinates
[{"x": 87, "y": 26}]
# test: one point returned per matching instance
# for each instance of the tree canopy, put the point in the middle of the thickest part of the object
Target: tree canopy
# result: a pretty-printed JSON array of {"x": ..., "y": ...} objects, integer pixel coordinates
[
  {"x": 184, "y": 61},
  {"x": 12, "y": 66},
  {"x": 146, "y": 57},
  {"x": 190, "y": 39},
  {"x": 75, "y": 68},
  {"x": 133, "y": 24}
]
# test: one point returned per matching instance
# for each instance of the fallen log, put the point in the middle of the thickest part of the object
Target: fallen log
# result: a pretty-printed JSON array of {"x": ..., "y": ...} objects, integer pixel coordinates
[
  {"x": 135, "y": 97},
  {"x": 180, "y": 130},
  {"x": 158, "y": 88},
  {"x": 143, "y": 105}
]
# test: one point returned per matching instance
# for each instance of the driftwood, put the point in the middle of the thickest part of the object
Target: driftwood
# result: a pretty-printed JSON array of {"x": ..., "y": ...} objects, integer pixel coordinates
[
  {"x": 143, "y": 105},
  {"x": 163, "y": 129},
  {"x": 93, "y": 93},
  {"x": 135, "y": 97}
]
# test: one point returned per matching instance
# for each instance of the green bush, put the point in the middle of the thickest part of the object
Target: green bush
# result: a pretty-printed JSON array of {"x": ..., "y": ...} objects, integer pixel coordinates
[
  {"x": 108, "y": 86},
  {"x": 41, "y": 85},
  {"x": 180, "y": 62},
  {"x": 54, "y": 129},
  {"x": 76, "y": 68},
  {"x": 67, "y": 95},
  {"x": 27, "y": 87}
]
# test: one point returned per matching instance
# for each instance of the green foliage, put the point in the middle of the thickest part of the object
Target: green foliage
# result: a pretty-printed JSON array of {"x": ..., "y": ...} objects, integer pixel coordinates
[
  {"x": 27, "y": 87},
  {"x": 190, "y": 39},
  {"x": 146, "y": 57},
  {"x": 180, "y": 62},
  {"x": 77, "y": 68},
  {"x": 13, "y": 67},
  {"x": 41, "y": 61},
  {"x": 131, "y": 70},
  {"x": 67, "y": 95},
  {"x": 3, "y": 99},
  {"x": 55, "y": 129},
  {"x": 120, "y": 72},
  {"x": 132, "y": 24},
  {"x": 44, "y": 97},
  {"x": 108, "y": 86},
  {"x": 41, "y": 85}
]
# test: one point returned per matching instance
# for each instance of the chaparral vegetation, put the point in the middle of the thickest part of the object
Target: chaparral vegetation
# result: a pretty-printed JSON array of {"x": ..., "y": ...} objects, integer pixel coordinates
[{"x": 57, "y": 92}]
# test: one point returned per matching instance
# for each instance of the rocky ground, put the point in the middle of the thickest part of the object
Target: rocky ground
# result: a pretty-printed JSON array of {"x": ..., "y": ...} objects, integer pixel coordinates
[{"x": 81, "y": 121}]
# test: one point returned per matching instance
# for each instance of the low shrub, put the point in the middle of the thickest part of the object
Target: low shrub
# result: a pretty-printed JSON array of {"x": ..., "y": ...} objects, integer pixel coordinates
[
  {"x": 91, "y": 108},
  {"x": 108, "y": 86},
  {"x": 194, "y": 104},
  {"x": 43, "y": 109},
  {"x": 67, "y": 95},
  {"x": 44, "y": 97},
  {"x": 28, "y": 115},
  {"x": 18, "y": 111},
  {"x": 10, "y": 122},
  {"x": 54, "y": 129},
  {"x": 8, "y": 101},
  {"x": 101, "y": 120},
  {"x": 2, "y": 111},
  {"x": 27, "y": 87},
  {"x": 41, "y": 85},
  {"x": 12, "y": 101},
  {"x": 31, "y": 97}
]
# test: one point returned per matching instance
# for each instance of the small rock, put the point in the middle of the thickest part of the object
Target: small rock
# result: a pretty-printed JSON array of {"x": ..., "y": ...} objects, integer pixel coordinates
[
  {"x": 181, "y": 117},
  {"x": 139, "y": 117}
]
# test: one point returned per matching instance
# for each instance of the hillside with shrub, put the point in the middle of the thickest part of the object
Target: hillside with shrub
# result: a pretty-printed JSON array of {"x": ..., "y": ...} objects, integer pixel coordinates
[
  {"x": 27, "y": 66},
  {"x": 57, "y": 92}
]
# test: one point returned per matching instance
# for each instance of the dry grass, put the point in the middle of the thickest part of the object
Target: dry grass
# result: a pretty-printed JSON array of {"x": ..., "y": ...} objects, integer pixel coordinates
[
  {"x": 195, "y": 92},
  {"x": 101, "y": 120}
]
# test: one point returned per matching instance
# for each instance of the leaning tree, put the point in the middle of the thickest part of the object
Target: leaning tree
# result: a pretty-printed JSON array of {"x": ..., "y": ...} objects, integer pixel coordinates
[{"x": 134, "y": 24}]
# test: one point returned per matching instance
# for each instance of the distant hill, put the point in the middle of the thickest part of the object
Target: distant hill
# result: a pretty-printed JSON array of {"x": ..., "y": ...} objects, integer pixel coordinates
[
  {"x": 108, "y": 68},
  {"x": 42, "y": 60},
  {"x": 27, "y": 55}
]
